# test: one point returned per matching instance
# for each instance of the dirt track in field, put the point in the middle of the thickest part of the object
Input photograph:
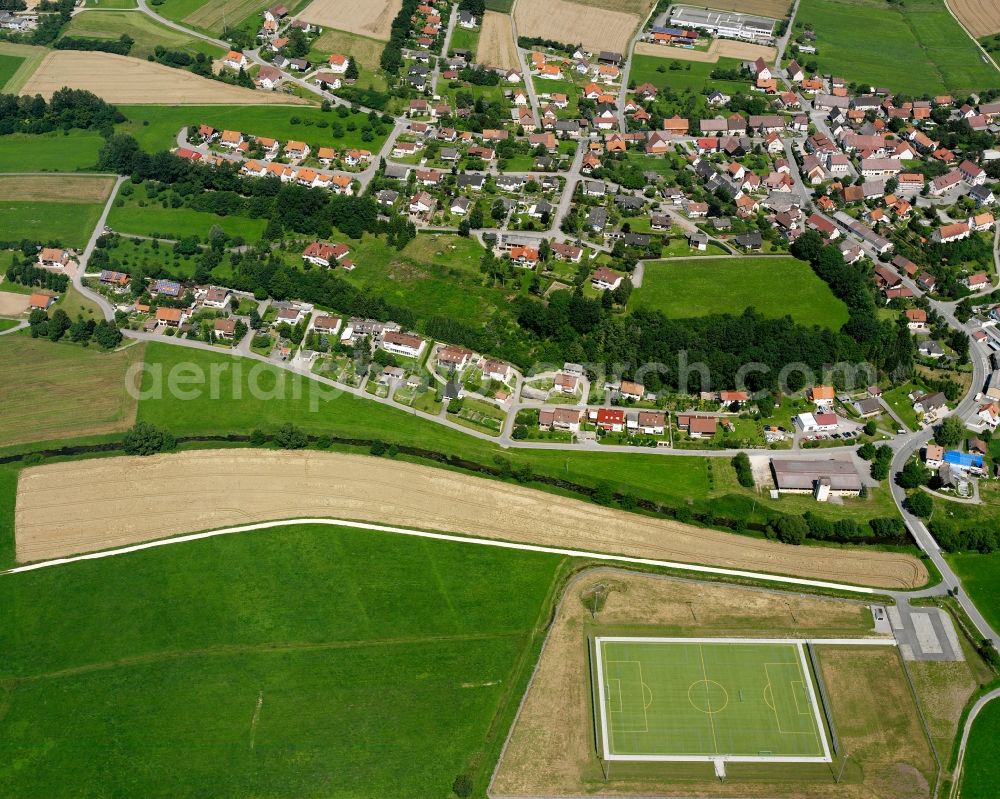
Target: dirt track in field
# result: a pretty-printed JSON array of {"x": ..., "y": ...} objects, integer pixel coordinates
[
  {"x": 120, "y": 79},
  {"x": 56, "y": 188},
  {"x": 368, "y": 18},
  {"x": 573, "y": 23},
  {"x": 69, "y": 508},
  {"x": 981, "y": 17},
  {"x": 720, "y": 48},
  {"x": 496, "y": 42}
]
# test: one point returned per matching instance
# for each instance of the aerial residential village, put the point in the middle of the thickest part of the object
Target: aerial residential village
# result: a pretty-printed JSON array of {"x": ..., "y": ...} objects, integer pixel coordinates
[{"x": 554, "y": 188}]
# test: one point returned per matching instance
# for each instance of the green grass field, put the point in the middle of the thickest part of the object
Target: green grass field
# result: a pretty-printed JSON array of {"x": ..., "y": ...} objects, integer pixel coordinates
[
  {"x": 30, "y": 57},
  {"x": 981, "y": 771},
  {"x": 9, "y": 65},
  {"x": 153, "y": 219},
  {"x": 54, "y": 390},
  {"x": 914, "y": 47},
  {"x": 464, "y": 39},
  {"x": 774, "y": 286},
  {"x": 147, "y": 33},
  {"x": 656, "y": 70},
  {"x": 49, "y": 152},
  {"x": 673, "y": 699},
  {"x": 310, "y": 661},
  {"x": 365, "y": 52},
  {"x": 980, "y": 576},
  {"x": 156, "y": 127},
  {"x": 67, "y": 223}
]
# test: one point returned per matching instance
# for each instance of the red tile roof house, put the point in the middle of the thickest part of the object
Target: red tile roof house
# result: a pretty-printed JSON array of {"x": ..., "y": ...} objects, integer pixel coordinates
[
  {"x": 224, "y": 328},
  {"x": 611, "y": 420},
  {"x": 322, "y": 253},
  {"x": 566, "y": 383},
  {"x": 632, "y": 391},
  {"x": 409, "y": 345},
  {"x": 40, "y": 301},
  {"x": 53, "y": 257},
  {"x": 495, "y": 370},
  {"x": 954, "y": 232},
  {"x": 170, "y": 317},
  {"x": 651, "y": 423},
  {"x": 605, "y": 279},
  {"x": 560, "y": 419},
  {"x": 326, "y": 325},
  {"x": 698, "y": 426},
  {"x": 453, "y": 357}
]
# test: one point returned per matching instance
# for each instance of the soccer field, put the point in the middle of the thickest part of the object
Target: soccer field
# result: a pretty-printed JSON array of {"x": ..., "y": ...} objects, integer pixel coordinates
[{"x": 707, "y": 699}]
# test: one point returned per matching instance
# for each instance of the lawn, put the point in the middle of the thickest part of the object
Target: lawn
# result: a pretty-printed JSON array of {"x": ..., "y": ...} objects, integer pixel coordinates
[
  {"x": 70, "y": 224},
  {"x": 153, "y": 219},
  {"x": 365, "y": 52},
  {"x": 672, "y": 698},
  {"x": 464, "y": 39},
  {"x": 75, "y": 304},
  {"x": 156, "y": 127},
  {"x": 656, "y": 70},
  {"x": 315, "y": 660},
  {"x": 914, "y": 47},
  {"x": 980, "y": 575},
  {"x": 981, "y": 770},
  {"x": 775, "y": 287},
  {"x": 147, "y": 33},
  {"x": 52, "y": 391},
  {"x": 14, "y": 75},
  {"x": 9, "y": 65},
  {"x": 49, "y": 152},
  {"x": 435, "y": 275}
]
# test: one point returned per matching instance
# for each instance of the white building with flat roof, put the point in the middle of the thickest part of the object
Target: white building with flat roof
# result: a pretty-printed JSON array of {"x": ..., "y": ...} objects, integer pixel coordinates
[{"x": 727, "y": 24}]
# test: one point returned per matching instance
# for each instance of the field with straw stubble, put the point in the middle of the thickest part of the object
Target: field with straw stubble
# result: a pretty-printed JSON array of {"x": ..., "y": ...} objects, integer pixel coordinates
[
  {"x": 120, "y": 79},
  {"x": 981, "y": 17},
  {"x": 596, "y": 28},
  {"x": 496, "y": 42},
  {"x": 372, "y": 18},
  {"x": 120, "y": 501}
]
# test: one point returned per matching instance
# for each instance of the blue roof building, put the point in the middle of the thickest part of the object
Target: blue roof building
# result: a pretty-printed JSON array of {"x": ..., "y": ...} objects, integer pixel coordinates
[{"x": 963, "y": 460}]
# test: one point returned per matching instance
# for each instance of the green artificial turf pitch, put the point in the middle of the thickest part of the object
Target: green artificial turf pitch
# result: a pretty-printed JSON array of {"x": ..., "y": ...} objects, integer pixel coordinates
[{"x": 676, "y": 699}]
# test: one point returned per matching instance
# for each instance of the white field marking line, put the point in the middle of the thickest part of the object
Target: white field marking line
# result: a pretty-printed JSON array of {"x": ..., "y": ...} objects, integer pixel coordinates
[
  {"x": 820, "y": 730},
  {"x": 603, "y": 705},
  {"x": 621, "y": 700},
  {"x": 708, "y": 698},
  {"x": 574, "y": 553},
  {"x": 621, "y": 705},
  {"x": 795, "y": 698}
]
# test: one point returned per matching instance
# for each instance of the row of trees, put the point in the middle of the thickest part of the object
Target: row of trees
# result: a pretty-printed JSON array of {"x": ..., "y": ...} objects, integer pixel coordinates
[
  {"x": 83, "y": 331},
  {"x": 120, "y": 46},
  {"x": 68, "y": 108},
  {"x": 392, "y": 54},
  {"x": 25, "y": 273}
]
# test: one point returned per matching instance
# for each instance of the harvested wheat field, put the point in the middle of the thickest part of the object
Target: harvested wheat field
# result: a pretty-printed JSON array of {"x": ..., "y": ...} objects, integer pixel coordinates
[
  {"x": 371, "y": 18},
  {"x": 775, "y": 9},
  {"x": 12, "y": 304},
  {"x": 720, "y": 48},
  {"x": 120, "y": 79},
  {"x": 980, "y": 17},
  {"x": 77, "y": 507},
  {"x": 496, "y": 42},
  {"x": 56, "y": 188},
  {"x": 550, "y": 750},
  {"x": 573, "y": 23}
]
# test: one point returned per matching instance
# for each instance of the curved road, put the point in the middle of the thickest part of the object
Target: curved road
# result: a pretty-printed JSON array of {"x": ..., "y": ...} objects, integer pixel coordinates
[{"x": 956, "y": 777}]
